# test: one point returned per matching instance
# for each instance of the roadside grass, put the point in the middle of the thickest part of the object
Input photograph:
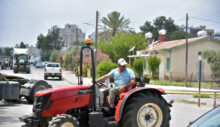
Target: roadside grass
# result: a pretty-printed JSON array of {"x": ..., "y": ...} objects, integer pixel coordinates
[
  {"x": 202, "y": 95},
  {"x": 187, "y": 101},
  {"x": 190, "y": 84}
]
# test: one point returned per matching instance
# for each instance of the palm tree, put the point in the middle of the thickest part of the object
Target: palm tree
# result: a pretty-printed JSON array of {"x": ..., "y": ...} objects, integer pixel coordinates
[{"x": 114, "y": 22}]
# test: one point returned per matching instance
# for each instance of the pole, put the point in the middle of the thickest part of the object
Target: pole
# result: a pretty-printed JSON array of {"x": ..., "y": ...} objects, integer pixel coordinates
[
  {"x": 96, "y": 39},
  {"x": 200, "y": 71},
  {"x": 214, "y": 105},
  {"x": 76, "y": 39},
  {"x": 186, "y": 67}
]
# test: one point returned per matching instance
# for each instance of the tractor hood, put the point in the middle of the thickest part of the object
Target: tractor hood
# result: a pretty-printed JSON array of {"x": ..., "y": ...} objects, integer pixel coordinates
[{"x": 63, "y": 91}]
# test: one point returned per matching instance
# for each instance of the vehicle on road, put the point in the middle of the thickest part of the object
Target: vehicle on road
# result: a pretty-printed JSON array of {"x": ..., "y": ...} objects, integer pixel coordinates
[
  {"x": 12, "y": 88},
  {"x": 53, "y": 70},
  {"x": 45, "y": 63},
  {"x": 20, "y": 61},
  {"x": 82, "y": 106},
  {"x": 209, "y": 119},
  {"x": 39, "y": 65},
  {"x": 6, "y": 62}
]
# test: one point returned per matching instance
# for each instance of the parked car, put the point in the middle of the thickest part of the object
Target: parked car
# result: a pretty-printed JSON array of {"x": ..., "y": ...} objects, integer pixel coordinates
[
  {"x": 209, "y": 119},
  {"x": 39, "y": 65},
  {"x": 53, "y": 70}
]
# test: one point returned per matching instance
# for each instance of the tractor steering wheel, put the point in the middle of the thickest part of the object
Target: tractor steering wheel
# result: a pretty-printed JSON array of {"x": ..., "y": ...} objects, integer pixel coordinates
[{"x": 101, "y": 85}]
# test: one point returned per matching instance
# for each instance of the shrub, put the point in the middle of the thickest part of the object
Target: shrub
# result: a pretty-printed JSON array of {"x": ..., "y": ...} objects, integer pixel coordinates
[
  {"x": 202, "y": 95},
  {"x": 138, "y": 66},
  {"x": 153, "y": 65},
  {"x": 84, "y": 71},
  {"x": 54, "y": 56},
  {"x": 105, "y": 67}
]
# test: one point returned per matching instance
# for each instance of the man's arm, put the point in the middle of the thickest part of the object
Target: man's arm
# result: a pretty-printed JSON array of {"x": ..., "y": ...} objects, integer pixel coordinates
[
  {"x": 132, "y": 82},
  {"x": 103, "y": 78}
]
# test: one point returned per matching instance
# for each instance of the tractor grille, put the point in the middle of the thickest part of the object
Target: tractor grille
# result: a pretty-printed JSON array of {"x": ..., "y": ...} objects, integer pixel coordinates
[{"x": 39, "y": 104}]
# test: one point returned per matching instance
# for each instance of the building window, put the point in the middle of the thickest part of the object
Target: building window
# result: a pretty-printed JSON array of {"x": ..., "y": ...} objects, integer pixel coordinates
[{"x": 168, "y": 64}]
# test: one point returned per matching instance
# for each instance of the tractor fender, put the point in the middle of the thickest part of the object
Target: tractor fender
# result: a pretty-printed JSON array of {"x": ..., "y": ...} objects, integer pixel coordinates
[{"x": 122, "y": 102}]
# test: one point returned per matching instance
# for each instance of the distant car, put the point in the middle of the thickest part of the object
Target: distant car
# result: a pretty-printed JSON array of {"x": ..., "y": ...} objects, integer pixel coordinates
[
  {"x": 209, "y": 119},
  {"x": 44, "y": 64},
  {"x": 39, "y": 65},
  {"x": 53, "y": 70}
]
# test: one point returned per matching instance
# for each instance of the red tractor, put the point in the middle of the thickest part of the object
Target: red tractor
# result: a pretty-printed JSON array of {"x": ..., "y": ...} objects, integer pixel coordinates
[{"x": 82, "y": 106}]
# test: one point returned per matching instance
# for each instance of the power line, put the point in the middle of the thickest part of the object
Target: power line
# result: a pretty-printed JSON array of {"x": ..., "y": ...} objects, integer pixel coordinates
[{"x": 203, "y": 19}]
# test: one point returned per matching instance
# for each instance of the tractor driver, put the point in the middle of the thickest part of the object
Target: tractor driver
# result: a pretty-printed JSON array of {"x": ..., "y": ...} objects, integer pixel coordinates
[{"x": 124, "y": 79}]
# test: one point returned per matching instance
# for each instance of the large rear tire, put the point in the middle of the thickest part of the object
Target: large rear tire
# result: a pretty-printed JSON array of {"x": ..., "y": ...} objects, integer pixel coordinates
[
  {"x": 28, "y": 69},
  {"x": 64, "y": 120},
  {"x": 146, "y": 110},
  {"x": 38, "y": 85},
  {"x": 15, "y": 69}
]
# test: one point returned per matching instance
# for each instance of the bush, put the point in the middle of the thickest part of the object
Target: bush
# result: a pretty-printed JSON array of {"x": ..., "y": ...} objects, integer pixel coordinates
[
  {"x": 153, "y": 65},
  {"x": 54, "y": 56},
  {"x": 84, "y": 71},
  {"x": 138, "y": 66},
  {"x": 105, "y": 67},
  {"x": 202, "y": 95}
]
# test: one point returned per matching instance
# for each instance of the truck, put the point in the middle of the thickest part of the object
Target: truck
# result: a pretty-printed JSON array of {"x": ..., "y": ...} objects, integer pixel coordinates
[
  {"x": 53, "y": 70},
  {"x": 20, "y": 60}
]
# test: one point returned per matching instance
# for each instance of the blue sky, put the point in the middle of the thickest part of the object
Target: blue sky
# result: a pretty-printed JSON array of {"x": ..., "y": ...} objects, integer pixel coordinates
[{"x": 24, "y": 20}]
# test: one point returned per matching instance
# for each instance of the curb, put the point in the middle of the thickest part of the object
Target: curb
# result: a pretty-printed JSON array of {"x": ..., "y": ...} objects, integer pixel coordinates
[{"x": 189, "y": 93}]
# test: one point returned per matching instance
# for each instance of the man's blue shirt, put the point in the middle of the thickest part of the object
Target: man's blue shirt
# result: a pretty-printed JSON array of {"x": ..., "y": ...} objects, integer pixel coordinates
[{"x": 123, "y": 78}]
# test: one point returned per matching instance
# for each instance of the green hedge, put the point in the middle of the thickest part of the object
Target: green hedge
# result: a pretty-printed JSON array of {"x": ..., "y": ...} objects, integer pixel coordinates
[{"x": 105, "y": 67}]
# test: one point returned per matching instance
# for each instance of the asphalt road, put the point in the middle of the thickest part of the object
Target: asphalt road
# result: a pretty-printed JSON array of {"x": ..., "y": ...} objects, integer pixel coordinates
[{"x": 181, "y": 113}]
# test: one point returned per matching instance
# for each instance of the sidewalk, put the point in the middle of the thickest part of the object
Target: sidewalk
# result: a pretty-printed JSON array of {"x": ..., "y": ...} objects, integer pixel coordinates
[{"x": 72, "y": 79}]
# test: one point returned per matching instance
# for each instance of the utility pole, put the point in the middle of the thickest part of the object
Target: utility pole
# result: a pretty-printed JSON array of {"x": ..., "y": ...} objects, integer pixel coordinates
[
  {"x": 186, "y": 67},
  {"x": 96, "y": 40},
  {"x": 76, "y": 39}
]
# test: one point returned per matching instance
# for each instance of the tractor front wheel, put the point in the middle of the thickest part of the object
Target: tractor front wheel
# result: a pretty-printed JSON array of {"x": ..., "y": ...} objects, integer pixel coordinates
[
  {"x": 64, "y": 120},
  {"x": 146, "y": 110}
]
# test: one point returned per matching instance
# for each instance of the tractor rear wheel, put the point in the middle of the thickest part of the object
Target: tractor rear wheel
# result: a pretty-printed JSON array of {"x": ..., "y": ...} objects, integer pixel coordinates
[
  {"x": 15, "y": 69},
  {"x": 28, "y": 69},
  {"x": 146, "y": 110},
  {"x": 64, "y": 120},
  {"x": 38, "y": 85}
]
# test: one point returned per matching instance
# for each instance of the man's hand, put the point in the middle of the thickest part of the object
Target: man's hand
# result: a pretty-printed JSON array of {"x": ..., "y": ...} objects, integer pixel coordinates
[{"x": 122, "y": 89}]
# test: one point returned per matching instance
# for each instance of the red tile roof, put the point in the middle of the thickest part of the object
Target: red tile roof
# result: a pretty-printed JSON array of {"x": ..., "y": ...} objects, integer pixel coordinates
[{"x": 172, "y": 44}]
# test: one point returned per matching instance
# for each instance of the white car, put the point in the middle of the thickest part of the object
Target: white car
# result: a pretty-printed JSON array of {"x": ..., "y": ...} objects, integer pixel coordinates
[{"x": 53, "y": 70}]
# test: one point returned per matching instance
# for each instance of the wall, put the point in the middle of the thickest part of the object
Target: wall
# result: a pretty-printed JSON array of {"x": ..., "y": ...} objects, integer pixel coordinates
[{"x": 178, "y": 60}]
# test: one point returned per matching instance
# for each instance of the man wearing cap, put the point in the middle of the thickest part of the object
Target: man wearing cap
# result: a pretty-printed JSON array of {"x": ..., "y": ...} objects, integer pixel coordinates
[{"x": 124, "y": 79}]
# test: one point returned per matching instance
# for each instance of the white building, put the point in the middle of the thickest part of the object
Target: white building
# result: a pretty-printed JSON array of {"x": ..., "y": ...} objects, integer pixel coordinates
[{"x": 71, "y": 35}]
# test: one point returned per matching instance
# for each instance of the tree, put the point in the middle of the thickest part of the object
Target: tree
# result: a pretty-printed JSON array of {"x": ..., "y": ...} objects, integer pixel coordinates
[
  {"x": 159, "y": 23},
  {"x": 213, "y": 58},
  {"x": 54, "y": 56},
  {"x": 50, "y": 41},
  {"x": 119, "y": 45},
  {"x": 45, "y": 55},
  {"x": 69, "y": 60},
  {"x": 22, "y": 45},
  {"x": 8, "y": 51},
  {"x": 114, "y": 22},
  {"x": 179, "y": 34},
  {"x": 153, "y": 65},
  {"x": 1, "y": 52}
]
